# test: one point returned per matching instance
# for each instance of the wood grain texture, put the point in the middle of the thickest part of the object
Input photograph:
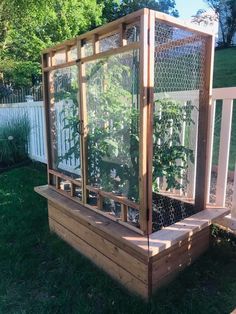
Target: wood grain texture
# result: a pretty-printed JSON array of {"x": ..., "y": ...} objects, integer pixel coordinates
[
  {"x": 114, "y": 270},
  {"x": 123, "y": 254},
  {"x": 175, "y": 259},
  {"x": 205, "y": 101},
  {"x": 103, "y": 245}
]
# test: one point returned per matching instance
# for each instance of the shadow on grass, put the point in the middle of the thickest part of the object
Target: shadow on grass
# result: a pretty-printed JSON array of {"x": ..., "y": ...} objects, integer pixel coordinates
[{"x": 42, "y": 274}]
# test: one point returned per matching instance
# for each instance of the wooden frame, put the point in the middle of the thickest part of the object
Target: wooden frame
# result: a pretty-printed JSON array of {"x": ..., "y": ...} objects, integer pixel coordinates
[
  {"x": 146, "y": 46},
  {"x": 141, "y": 260},
  {"x": 140, "y": 263}
]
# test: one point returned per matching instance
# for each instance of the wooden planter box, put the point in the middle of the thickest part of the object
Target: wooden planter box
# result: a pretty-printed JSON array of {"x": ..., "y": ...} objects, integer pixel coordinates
[{"x": 140, "y": 265}]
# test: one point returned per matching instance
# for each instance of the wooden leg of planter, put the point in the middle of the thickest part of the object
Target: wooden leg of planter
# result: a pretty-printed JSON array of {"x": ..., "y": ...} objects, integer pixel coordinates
[{"x": 124, "y": 212}]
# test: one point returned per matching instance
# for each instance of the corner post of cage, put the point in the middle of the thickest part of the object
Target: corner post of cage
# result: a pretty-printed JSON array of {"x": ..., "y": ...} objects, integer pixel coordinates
[
  {"x": 143, "y": 190},
  {"x": 205, "y": 103},
  {"x": 83, "y": 119},
  {"x": 46, "y": 97},
  {"x": 151, "y": 69}
]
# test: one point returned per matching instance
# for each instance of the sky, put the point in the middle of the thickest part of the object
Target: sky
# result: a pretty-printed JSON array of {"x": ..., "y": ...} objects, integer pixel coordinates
[{"x": 187, "y": 8}]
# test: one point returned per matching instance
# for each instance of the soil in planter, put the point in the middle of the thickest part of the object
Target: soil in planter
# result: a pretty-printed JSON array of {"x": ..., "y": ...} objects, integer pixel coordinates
[{"x": 167, "y": 211}]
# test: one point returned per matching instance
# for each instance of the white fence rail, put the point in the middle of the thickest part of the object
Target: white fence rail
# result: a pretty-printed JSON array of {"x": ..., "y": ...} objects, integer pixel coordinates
[
  {"x": 225, "y": 190},
  {"x": 37, "y": 148}
]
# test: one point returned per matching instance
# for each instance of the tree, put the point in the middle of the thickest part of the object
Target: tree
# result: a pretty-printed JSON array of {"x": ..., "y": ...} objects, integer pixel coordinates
[
  {"x": 27, "y": 27},
  {"x": 205, "y": 18},
  {"x": 114, "y": 9},
  {"x": 226, "y": 11}
]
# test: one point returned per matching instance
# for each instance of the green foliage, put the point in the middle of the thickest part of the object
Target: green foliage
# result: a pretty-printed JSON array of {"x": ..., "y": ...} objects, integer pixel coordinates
[
  {"x": 14, "y": 136},
  {"x": 113, "y": 129},
  {"x": 27, "y": 27},
  {"x": 61, "y": 280},
  {"x": 225, "y": 68},
  {"x": 114, "y": 9},
  {"x": 170, "y": 157},
  {"x": 20, "y": 73},
  {"x": 113, "y": 126},
  {"x": 226, "y": 11},
  {"x": 113, "y": 142}
]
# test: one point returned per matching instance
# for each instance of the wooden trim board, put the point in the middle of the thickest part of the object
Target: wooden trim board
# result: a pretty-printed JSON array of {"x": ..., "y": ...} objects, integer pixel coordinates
[{"x": 124, "y": 254}]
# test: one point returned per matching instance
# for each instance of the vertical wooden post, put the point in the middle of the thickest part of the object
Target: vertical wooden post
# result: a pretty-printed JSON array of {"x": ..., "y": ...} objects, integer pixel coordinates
[
  {"x": 143, "y": 212},
  {"x": 123, "y": 40},
  {"x": 147, "y": 29},
  {"x": 100, "y": 201},
  {"x": 58, "y": 182},
  {"x": 124, "y": 212},
  {"x": 45, "y": 63},
  {"x": 223, "y": 162},
  {"x": 72, "y": 191},
  {"x": 210, "y": 148},
  {"x": 151, "y": 78},
  {"x": 68, "y": 53},
  {"x": 205, "y": 100},
  {"x": 83, "y": 121},
  {"x": 95, "y": 44}
]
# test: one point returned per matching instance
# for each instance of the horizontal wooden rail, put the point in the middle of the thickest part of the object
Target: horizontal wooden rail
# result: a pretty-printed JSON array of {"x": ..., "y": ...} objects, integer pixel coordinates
[
  {"x": 104, "y": 29},
  {"x": 177, "y": 43},
  {"x": 121, "y": 199},
  {"x": 65, "y": 177},
  {"x": 111, "y": 52},
  {"x": 167, "y": 19}
]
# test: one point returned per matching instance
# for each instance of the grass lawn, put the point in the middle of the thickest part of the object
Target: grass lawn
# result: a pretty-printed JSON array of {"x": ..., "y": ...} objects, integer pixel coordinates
[
  {"x": 42, "y": 274},
  {"x": 225, "y": 68},
  {"x": 225, "y": 76}
]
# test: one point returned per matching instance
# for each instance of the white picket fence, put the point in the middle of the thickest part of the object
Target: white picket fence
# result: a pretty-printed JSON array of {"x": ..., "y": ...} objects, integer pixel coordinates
[
  {"x": 34, "y": 111},
  {"x": 37, "y": 149}
]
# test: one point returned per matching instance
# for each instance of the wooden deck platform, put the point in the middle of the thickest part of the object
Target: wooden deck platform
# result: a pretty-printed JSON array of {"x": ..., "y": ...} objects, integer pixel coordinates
[{"x": 140, "y": 264}]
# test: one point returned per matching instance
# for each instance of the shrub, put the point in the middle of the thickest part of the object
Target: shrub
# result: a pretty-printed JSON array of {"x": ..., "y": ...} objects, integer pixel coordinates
[{"x": 14, "y": 136}]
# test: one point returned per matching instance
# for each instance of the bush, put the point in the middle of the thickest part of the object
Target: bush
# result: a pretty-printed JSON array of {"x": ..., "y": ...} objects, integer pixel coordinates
[{"x": 14, "y": 136}]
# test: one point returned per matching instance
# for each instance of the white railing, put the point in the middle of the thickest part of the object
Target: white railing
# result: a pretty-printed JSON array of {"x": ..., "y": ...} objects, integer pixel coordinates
[{"x": 225, "y": 187}]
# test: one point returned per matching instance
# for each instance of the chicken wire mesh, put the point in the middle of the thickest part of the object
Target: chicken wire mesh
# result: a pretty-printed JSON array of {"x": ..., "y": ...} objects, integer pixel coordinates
[
  {"x": 132, "y": 33},
  {"x": 88, "y": 48},
  {"x": 65, "y": 149},
  {"x": 112, "y": 88},
  {"x": 109, "y": 42},
  {"x": 178, "y": 81}
]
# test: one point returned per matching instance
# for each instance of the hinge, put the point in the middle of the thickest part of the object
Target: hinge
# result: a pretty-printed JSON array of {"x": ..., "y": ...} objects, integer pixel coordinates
[
  {"x": 148, "y": 39},
  {"x": 80, "y": 127}
]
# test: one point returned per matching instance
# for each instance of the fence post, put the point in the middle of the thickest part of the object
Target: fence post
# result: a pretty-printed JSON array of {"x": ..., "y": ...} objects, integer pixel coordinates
[
  {"x": 233, "y": 210},
  {"x": 210, "y": 146},
  {"x": 223, "y": 161}
]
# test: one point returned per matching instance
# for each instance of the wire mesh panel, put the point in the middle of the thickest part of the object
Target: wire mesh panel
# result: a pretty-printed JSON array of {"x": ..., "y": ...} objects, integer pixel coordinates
[
  {"x": 64, "y": 121},
  {"x": 179, "y": 79},
  {"x": 109, "y": 42},
  {"x": 88, "y": 48},
  {"x": 132, "y": 33},
  {"x": 113, "y": 122}
]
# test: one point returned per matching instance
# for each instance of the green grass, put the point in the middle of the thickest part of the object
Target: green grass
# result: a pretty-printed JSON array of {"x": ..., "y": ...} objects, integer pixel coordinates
[
  {"x": 225, "y": 68},
  {"x": 42, "y": 274},
  {"x": 225, "y": 76}
]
